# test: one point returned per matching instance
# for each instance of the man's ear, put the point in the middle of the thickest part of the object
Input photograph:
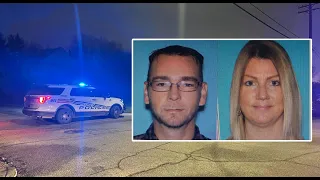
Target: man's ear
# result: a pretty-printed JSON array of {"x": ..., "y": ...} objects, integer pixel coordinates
[
  {"x": 204, "y": 93},
  {"x": 145, "y": 93}
]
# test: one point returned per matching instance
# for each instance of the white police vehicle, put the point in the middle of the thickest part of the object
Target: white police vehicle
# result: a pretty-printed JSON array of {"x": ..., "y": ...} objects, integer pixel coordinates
[{"x": 64, "y": 102}]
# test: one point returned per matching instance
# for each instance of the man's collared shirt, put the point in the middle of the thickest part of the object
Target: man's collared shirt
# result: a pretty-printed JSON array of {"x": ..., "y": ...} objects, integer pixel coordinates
[{"x": 150, "y": 135}]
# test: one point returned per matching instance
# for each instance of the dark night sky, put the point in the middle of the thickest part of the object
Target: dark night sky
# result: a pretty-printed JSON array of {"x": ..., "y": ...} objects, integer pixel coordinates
[{"x": 54, "y": 24}]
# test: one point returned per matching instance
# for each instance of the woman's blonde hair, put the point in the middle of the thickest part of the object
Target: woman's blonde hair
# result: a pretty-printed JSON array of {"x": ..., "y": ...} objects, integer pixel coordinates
[{"x": 267, "y": 49}]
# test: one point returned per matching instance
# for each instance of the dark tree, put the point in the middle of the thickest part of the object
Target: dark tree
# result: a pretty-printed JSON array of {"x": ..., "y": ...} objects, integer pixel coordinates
[
  {"x": 2, "y": 42},
  {"x": 33, "y": 50},
  {"x": 15, "y": 43}
]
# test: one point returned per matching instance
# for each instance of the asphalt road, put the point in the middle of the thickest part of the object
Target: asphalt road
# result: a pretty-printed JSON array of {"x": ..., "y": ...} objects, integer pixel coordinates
[{"x": 103, "y": 147}]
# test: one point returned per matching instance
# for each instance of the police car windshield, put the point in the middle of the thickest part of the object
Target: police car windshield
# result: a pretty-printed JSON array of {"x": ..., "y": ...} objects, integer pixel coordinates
[{"x": 44, "y": 90}]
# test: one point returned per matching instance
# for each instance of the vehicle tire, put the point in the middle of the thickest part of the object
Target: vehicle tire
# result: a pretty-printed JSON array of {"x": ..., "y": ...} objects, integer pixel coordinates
[
  {"x": 115, "y": 112},
  {"x": 64, "y": 115}
]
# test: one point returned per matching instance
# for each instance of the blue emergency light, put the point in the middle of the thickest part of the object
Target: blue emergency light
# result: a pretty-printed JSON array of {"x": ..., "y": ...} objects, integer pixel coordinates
[{"x": 82, "y": 84}]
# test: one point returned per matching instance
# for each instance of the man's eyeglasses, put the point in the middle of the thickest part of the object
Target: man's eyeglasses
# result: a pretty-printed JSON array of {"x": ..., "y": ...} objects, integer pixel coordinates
[{"x": 163, "y": 86}]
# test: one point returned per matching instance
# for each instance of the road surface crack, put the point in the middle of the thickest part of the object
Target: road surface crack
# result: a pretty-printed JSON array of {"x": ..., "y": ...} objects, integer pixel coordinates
[
  {"x": 122, "y": 159},
  {"x": 188, "y": 157},
  {"x": 303, "y": 164},
  {"x": 161, "y": 165},
  {"x": 137, "y": 154},
  {"x": 288, "y": 159},
  {"x": 96, "y": 172}
]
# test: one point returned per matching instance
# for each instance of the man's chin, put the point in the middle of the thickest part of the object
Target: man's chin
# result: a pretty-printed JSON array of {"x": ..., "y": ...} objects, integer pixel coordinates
[
  {"x": 172, "y": 120},
  {"x": 174, "y": 124}
]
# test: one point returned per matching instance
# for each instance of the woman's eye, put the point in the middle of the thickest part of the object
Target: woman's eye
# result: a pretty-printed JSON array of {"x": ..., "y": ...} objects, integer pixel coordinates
[
  {"x": 275, "y": 83},
  {"x": 248, "y": 83}
]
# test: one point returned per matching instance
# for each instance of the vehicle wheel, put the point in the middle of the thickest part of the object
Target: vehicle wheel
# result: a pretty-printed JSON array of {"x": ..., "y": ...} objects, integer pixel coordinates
[
  {"x": 115, "y": 112},
  {"x": 64, "y": 115}
]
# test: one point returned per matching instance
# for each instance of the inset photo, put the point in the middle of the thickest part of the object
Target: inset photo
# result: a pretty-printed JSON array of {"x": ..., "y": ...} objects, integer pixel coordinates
[
  {"x": 264, "y": 89},
  {"x": 222, "y": 90},
  {"x": 174, "y": 90}
]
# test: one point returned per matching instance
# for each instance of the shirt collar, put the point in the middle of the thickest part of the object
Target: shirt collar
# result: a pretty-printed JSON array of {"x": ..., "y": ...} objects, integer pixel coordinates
[{"x": 150, "y": 135}]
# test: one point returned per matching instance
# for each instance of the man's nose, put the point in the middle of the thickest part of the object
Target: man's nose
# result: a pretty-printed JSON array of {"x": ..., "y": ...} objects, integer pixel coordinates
[{"x": 174, "y": 92}]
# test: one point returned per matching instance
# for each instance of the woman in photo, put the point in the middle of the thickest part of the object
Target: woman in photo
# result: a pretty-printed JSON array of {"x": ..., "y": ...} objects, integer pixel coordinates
[{"x": 265, "y": 102}]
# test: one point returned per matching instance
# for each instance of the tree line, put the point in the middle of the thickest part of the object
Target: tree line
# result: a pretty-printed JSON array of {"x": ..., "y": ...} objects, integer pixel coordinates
[{"x": 94, "y": 60}]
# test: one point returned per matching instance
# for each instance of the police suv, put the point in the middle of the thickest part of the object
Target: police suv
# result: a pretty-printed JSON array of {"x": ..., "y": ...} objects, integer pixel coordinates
[{"x": 64, "y": 102}]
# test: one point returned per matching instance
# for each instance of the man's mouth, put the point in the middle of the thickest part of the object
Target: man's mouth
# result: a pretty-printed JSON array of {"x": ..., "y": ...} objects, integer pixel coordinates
[{"x": 173, "y": 110}]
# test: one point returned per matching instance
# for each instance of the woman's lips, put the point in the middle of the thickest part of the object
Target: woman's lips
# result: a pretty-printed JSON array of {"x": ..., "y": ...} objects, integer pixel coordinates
[{"x": 262, "y": 107}]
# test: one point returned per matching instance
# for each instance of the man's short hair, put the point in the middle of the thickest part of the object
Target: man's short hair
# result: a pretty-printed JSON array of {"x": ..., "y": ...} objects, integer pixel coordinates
[{"x": 180, "y": 51}]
